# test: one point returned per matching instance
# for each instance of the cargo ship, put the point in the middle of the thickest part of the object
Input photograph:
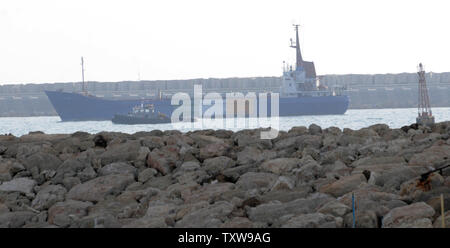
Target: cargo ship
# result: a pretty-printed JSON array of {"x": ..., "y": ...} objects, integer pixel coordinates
[{"x": 300, "y": 93}]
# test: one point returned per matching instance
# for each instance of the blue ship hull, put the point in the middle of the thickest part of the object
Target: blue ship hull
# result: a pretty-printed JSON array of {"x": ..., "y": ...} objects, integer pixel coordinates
[{"x": 78, "y": 107}]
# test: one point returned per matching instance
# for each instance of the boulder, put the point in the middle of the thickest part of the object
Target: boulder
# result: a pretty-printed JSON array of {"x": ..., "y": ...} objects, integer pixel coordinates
[
  {"x": 190, "y": 166},
  {"x": 204, "y": 140},
  {"x": 97, "y": 189},
  {"x": 152, "y": 142},
  {"x": 144, "y": 222},
  {"x": 314, "y": 220},
  {"x": 372, "y": 160},
  {"x": 287, "y": 143},
  {"x": 117, "y": 168},
  {"x": 309, "y": 170},
  {"x": 3, "y": 208},
  {"x": 121, "y": 152},
  {"x": 270, "y": 212},
  {"x": 164, "y": 160},
  {"x": 15, "y": 219},
  {"x": 252, "y": 180},
  {"x": 364, "y": 219},
  {"x": 414, "y": 215},
  {"x": 210, "y": 193},
  {"x": 250, "y": 138},
  {"x": 280, "y": 165},
  {"x": 215, "y": 166},
  {"x": 314, "y": 129},
  {"x": 64, "y": 213},
  {"x": 283, "y": 183},
  {"x": 431, "y": 156},
  {"x": 250, "y": 155},
  {"x": 438, "y": 222},
  {"x": 47, "y": 196},
  {"x": 212, "y": 216},
  {"x": 343, "y": 185},
  {"x": 334, "y": 208},
  {"x": 23, "y": 185},
  {"x": 213, "y": 150},
  {"x": 238, "y": 222},
  {"x": 234, "y": 173},
  {"x": 41, "y": 161},
  {"x": 147, "y": 174}
]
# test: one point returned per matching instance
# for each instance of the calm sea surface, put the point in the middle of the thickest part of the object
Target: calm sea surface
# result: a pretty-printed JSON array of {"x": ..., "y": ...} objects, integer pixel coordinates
[{"x": 354, "y": 119}]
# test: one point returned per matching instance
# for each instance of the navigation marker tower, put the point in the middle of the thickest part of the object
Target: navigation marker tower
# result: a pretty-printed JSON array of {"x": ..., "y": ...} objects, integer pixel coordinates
[{"x": 425, "y": 117}]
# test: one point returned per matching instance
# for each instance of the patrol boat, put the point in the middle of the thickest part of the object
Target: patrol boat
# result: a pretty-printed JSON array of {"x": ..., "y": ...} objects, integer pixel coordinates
[{"x": 141, "y": 114}]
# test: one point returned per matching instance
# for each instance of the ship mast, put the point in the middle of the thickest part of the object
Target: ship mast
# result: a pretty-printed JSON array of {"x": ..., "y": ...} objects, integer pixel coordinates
[
  {"x": 83, "y": 86},
  {"x": 299, "y": 59}
]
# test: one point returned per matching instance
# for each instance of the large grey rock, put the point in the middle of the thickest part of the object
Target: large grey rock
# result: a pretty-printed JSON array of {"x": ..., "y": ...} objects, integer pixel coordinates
[
  {"x": 250, "y": 155},
  {"x": 283, "y": 183},
  {"x": 3, "y": 208},
  {"x": 438, "y": 222},
  {"x": 215, "y": 166},
  {"x": 270, "y": 212},
  {"x": 69, "y": 168},
  {"x": 210, "y": 193},
  {"x": 343, "y": 185},
  {"x": 251, "y": 138},
  {"x": 48, "y": 196},
  {"x": 23, "y": 185},
  {"x": 280, "y": 165},
  {"x": 8, "y": 168},
  {"x": 212, "y": 216},
  {"x": 97, "y": 189},
  {"x": 414, "y": 215},
  {"x": 15, "y": 219},
  {"x": 363, "y": 219},
  {"x": 334, "y": 208},
  {"x": 121, "y": 152},
  {"x": 287, "y": 143},
  {"x": 64, "y": 213},
  {"x": 234, "y": 173},
  {"x": 431, "y": 156},
  {"x": 152, "y": 142},
  {"x": 252, "y": 180},
  {"x": 214, "y": 150},
  {"x": 164, "y": 160},
  {"x": 41, "y": 161},
  {"x": 314, "y": 129},
  {"x": 190, "y": 166},
  {"x": 314, "y": 220},
  {"x": 379, "y": 160},
  {"x": 238, "y": 222},
  {"x": 147, "y": 174},
  {"x": 145, "y": 222},
  {"x": 117, "y": 168},
  {"x": 309, "y": 170},
  {"x": 204, "y": 140}
]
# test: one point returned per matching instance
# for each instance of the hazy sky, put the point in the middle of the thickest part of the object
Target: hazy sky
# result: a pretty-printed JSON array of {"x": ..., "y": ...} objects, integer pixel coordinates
[{"x": 42, "y": 41}]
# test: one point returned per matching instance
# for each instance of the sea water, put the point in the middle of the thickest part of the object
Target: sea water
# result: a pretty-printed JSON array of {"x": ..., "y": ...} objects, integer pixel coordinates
[{"x": 353, "y": 118}]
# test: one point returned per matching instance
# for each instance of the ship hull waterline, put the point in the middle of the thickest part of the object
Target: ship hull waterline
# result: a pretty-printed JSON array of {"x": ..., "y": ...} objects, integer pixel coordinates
[{"x": 78, "y": 107}]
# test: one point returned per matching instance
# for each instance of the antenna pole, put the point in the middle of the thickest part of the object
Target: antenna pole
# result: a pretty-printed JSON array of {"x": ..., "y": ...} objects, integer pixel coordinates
[{"x": 82, "y": 75}]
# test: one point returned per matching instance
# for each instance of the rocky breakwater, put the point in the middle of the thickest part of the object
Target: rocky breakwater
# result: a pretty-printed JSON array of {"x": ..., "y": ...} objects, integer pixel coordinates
[{"x": 303, "y": 178}]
